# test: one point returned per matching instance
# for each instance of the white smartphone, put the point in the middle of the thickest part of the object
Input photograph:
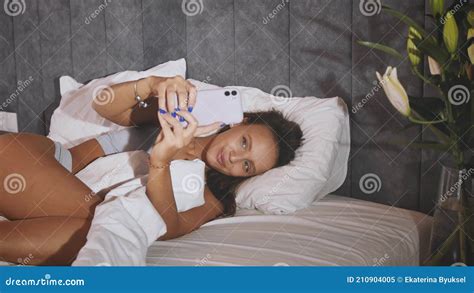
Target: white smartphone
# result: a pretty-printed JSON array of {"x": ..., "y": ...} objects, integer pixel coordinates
[{"x": 215, "y": 105}]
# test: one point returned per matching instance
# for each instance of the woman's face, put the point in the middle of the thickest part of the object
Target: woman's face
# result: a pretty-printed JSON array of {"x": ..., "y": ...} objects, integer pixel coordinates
[{"x": 242, "y": 151}]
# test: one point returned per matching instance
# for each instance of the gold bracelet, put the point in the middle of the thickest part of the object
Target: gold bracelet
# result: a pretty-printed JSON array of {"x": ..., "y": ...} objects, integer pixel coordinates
[{"x": 157, "y": 166}]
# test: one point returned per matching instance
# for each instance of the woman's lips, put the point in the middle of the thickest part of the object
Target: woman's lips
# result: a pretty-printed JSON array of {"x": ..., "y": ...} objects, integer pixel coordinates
[{"x": 220, "y": 158}]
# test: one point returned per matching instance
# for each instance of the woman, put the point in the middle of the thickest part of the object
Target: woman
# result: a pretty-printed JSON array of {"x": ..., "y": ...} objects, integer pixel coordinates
[{"x": 49, "y": 218}]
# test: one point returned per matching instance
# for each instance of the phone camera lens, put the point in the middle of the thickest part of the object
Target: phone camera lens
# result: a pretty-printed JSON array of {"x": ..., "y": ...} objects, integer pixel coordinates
[
  {"x": 234, "y": 93},
  {"x": 226, "y": 93}
]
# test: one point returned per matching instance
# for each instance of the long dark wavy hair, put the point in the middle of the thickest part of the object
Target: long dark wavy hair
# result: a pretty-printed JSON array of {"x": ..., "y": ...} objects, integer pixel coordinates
[{"x": 287, "y": 133}]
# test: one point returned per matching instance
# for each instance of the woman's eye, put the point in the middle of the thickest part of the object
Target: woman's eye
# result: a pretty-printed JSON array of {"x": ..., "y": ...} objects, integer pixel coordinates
[
  {"x": 246, "y": 166},
  {"x": 244, "y": 142}
]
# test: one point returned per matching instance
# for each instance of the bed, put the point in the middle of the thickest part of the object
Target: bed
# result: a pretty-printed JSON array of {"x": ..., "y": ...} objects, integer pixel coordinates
[{"x": 335, "y": 231}]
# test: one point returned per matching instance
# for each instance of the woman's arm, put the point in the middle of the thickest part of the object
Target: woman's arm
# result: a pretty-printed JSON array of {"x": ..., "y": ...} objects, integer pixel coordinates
[
  {"x": 160, "y": 192},
  {"x": 194, "y": 218},
  {"x": 159, "y": 189},
  {"x": 118, "y": 104}
]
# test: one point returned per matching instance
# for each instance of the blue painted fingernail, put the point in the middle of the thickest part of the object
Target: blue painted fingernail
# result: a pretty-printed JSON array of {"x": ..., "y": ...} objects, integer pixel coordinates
[
  {"x": 173, "y": 114},
  {"x": 177, "y": 109},
  {"x": 190, "y": 109},
  {"x": 181, "y": 119},
  {"x": 162, "y": 111}
]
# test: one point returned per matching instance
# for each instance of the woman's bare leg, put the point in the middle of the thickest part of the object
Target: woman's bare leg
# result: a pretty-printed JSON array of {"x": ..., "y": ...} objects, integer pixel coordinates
[
  {"x": 50, "y": 209},
  {"x": 84, "y": 153},
  {"x": 43, "y": 241},
  {"x": 34, "y": 184}
]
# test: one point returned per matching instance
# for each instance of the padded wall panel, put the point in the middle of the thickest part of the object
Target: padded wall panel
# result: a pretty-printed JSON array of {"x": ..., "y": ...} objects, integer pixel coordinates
[
  {"x": 261, "y": 43},
  {"x": 164, "y": 31},
  {"x": 320, "y": 50},
  {"x": 88, "y": 43},
  {"x": 8, "y": 97},
  {"x": 393, "y": 169},
  {"x": 210, "y": 41},
  {"x": 27, "y": 35},
  {"x": 124, "y": 30},
  {"x": 55, "y": 47}
]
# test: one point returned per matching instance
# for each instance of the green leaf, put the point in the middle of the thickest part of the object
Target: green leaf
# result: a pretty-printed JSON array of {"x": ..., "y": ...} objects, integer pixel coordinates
[
  {"x": 429, "y": 107},
  {"x": 405, "y": 19},
  {"x": 430, "y": 48},
  {"x": 433, "y": 145},
  {"x": 382, "y": 48}
]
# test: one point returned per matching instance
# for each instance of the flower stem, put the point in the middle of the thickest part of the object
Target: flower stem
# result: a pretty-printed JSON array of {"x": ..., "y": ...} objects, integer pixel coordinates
[{"x": 414, "y": 120}]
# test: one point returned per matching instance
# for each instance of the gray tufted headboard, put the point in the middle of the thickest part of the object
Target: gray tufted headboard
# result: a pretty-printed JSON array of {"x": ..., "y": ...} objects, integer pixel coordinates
[{"x": 307, "y": 45}]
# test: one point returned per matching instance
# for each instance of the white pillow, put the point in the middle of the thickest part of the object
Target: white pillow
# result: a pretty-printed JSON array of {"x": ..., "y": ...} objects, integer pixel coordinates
[
  {"x": 320, "y": 164},
  {"x": 74, "y": 121}
]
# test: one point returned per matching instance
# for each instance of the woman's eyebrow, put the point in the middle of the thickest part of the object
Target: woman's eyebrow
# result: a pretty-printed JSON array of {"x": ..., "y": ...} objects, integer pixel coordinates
[{"x": 250, "y": 148}]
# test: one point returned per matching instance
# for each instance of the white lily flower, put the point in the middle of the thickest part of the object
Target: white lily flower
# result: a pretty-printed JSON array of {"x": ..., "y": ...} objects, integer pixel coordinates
[
  {"x": 435, "y": 69},
  {"x": 394, "y": 90}
]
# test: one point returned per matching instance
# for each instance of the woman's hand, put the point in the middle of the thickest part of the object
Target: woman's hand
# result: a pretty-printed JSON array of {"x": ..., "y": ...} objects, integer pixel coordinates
[
  {"x": 173, "y": 136},
  {"x": 168, "y": 88}
]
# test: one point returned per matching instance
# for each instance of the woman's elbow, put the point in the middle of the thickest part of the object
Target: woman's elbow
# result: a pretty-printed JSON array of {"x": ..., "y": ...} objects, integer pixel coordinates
[{"x": 121, "y": 119}]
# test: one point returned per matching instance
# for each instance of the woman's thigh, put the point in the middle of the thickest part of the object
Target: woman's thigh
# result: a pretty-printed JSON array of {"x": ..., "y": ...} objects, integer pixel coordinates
[
  {"x": 33, "y": 184},
  {"x": 43, "y": 241}
]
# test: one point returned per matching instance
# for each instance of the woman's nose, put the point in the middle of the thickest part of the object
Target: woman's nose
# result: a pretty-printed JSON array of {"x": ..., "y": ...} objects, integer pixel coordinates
[{"x": 236, "y": 156}]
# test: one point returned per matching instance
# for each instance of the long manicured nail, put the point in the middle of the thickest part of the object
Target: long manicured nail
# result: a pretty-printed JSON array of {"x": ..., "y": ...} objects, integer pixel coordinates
[
  {"x": 190, "y": 109},
  {"x": 162, "y": 111},
  {"x": 177, "y": 109},
  {"x": 173, "y": 114},
  {"x": 181, "y": 119}
]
